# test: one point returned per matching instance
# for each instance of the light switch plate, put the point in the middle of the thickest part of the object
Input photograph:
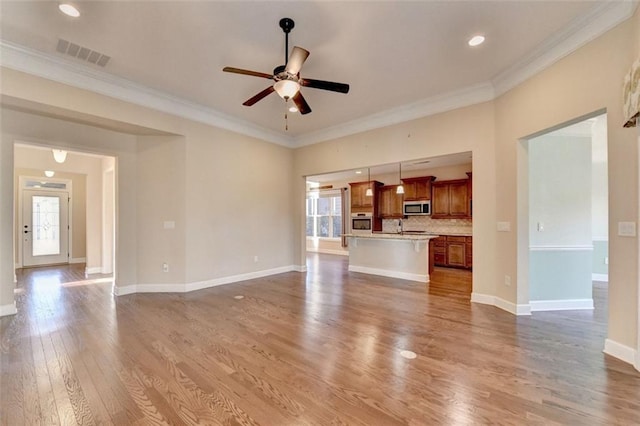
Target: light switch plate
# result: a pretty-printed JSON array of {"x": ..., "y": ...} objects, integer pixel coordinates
[
  {"x": 169, "y": 224},
  {"x": 504, "y": 226},
  {"x": 627, "y": 229}
]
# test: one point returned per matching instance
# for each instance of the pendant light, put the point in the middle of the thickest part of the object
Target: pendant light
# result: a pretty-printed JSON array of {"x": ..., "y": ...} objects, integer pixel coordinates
[
  {"x": 59, "y": 155},
  {"x": 400, "y": 188},
  {"x": 369, "y": 191}
]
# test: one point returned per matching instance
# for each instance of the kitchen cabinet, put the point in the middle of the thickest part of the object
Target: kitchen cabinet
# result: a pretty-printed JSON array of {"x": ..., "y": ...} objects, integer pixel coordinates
[
  {"x": 389, "y": 202},
  {"x": 451, "y": 199},
  {"x": 360, "y": 203},
  {"x": 454, "y": 251},
  {"x": 417, "y": 188}
]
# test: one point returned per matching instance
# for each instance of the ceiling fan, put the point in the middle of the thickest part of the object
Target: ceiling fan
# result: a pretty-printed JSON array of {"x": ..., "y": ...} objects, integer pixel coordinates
[{"x": 287, "y": 77}]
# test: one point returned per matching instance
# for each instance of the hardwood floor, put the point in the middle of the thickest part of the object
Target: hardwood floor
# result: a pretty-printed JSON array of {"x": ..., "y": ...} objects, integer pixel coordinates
[{"x": 317, "y": 348}]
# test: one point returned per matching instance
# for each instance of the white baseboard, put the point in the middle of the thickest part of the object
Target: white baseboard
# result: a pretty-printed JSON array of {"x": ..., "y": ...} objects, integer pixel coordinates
[
  {"x": 329, "y": 251},
  {"x": 199, "y": 285},
  {"x": 78, "y": 260},
  {"x": 93, "y": 270},
  {"x": 124, "y": 289},
  {"x": 10, "y": 309},
  {"x": 300, "y": 268},
  {"x": 600, "y": 277},
  {"x": 106, "y": 270},
  {"x": 561, "y": 305},
  {"x": 620, "y": 351},
  {"x": 487, "y": 299},
  {"x": 423, "y": 278},
  {"x": 17, "y": 266}
]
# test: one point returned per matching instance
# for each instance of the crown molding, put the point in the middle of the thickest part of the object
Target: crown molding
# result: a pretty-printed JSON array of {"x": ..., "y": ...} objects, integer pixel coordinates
[
  {"x": 436, "y": 104},
  {"x": 47, "y": 66},
  {"x": 579, "y": 32}
]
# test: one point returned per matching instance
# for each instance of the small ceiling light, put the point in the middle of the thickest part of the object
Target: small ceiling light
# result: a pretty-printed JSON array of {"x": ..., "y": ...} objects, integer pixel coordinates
[
  {"x": 59, "y": 155},
  {"x": 286, "y": 88},
  {"x": 49, "y": 173},
  {"x": 476, "y": 40},
  {"x": 69, "y": 10},
  {"x": 293, "y": 108},
  {"x": 358, "y": 172}
]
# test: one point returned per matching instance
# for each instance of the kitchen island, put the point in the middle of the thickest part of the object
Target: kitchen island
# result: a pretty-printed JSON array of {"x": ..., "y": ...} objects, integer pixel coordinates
[{"x": 404, "y": 255}]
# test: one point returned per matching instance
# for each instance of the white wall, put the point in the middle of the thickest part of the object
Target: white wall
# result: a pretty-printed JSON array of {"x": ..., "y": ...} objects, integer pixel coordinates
[{"x": 560, "y": 191}]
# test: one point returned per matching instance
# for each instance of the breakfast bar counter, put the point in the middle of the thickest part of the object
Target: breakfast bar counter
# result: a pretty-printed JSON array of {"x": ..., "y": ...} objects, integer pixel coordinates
[{"x": 403, "y": 255}]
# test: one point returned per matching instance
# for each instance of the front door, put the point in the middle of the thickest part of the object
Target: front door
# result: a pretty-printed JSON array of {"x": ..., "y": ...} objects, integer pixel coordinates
[{"x": 45, "y": 227}]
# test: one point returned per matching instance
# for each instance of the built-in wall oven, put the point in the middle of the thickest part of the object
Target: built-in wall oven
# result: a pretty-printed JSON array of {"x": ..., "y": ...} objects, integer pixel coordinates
[{"x": 361, "y": 223}]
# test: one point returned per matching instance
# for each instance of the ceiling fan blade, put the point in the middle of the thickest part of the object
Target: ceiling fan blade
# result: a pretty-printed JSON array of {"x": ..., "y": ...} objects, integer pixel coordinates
[
  {"x": 259, "y": 96},
  {"x": 301, "y": 103},
  {"x": 325, "y": 85},
  {"x": 247, "y": 72},
  {"x": 297, "y": 58}
]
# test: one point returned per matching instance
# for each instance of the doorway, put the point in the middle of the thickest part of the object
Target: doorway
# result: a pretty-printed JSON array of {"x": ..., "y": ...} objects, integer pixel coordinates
[
  {"x": 44, "y": 222},
  {"x": 563, "y": 216}
]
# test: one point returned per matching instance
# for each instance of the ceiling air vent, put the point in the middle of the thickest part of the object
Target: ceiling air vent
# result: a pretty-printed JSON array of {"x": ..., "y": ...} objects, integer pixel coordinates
[{"x": 82, "y": 53}]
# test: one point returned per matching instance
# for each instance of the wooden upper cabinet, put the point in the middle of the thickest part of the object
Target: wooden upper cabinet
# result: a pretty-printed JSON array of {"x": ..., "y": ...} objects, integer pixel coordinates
[
  {"x": 360, "y": 203},
  {"x": 451, "y": 199},
  {"x": 418, "y": 188},
  {"x": 389, "y": 202}
]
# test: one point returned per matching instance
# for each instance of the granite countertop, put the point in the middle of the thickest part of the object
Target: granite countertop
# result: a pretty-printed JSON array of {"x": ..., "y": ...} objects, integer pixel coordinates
[{"x": 395, "y": 236}]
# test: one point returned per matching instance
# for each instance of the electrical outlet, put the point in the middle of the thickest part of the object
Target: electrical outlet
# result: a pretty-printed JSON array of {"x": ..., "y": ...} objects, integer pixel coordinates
[
  {"x": 165, "y": 267},
  {"x": 507, "y": 280},
  {"x": 540, "y": 226},
  {"x": 255, "y": 259},
  {"x": 606, "y": 260}
]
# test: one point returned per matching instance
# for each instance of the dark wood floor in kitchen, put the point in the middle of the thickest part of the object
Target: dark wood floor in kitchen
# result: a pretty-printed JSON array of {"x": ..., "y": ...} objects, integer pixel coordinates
[{"x": 317, "y": 348}]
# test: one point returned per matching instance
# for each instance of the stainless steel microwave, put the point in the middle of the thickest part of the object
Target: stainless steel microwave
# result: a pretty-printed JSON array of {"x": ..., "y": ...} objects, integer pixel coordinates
[
  {"x": 361, "y": 223},
  {"x": 417, "y": 208}
]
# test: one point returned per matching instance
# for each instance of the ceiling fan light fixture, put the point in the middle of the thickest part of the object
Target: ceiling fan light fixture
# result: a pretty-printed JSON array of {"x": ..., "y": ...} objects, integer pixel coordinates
[
  {"x": 286, "y": 89},
  {"x": 59, "y": 155},
  {"x": 293, "y": 108},
  {"x": 69, "y": 10}
]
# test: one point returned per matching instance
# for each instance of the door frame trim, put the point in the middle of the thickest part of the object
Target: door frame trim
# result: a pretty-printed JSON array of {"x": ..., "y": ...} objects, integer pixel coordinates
[{"x": 21, "y": 187}]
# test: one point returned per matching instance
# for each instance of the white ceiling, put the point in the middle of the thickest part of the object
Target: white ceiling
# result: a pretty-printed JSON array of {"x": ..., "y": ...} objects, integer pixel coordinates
[{"x": 393, "y": 54}]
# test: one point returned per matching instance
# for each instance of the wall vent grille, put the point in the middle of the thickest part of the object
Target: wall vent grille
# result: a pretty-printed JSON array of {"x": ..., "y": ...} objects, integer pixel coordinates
[{"x": 82, "y": 53}]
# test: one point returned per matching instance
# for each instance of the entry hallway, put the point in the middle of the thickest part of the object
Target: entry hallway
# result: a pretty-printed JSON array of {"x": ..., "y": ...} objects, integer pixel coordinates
[{"x": 317, "y": 348}]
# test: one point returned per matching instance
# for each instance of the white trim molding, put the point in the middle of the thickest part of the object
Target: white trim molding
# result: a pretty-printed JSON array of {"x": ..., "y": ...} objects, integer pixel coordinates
[
  {"x": 444, "y": 102},
  {"x": 561, "y": 248},
  {"x": 328, "y": 251},
  {"x": 74, "y": 74},
  {"x": 600, "y": 277},
  {"x": 78, "y": 260},
  {"x": 487, "y": 299},
  {"x": 582, "y": 30},
  {"x": 93, "y": 270},
  {"x": 621, "y": 352},
  {"x": 561, "y": 305},
  {"x": 10, "y": 309},
  {"x": 579, "y": 32},
  {"x": 422, "y": 278},
  {"x": 199, "y": 285}
]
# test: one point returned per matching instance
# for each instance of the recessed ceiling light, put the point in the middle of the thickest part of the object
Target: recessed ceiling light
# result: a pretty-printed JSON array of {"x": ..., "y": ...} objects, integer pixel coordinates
[
  {"x": 358, "y": 172},
  {"x": 293, "y": 108},
  {"x": 69, "y": 10},
  {"x": 49, "y": 173},
  {"x": 476, "y": 40}
]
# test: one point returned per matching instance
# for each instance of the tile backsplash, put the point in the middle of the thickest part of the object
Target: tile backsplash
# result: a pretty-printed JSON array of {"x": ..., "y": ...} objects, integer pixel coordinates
[{"x": 425, "y": 223}]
